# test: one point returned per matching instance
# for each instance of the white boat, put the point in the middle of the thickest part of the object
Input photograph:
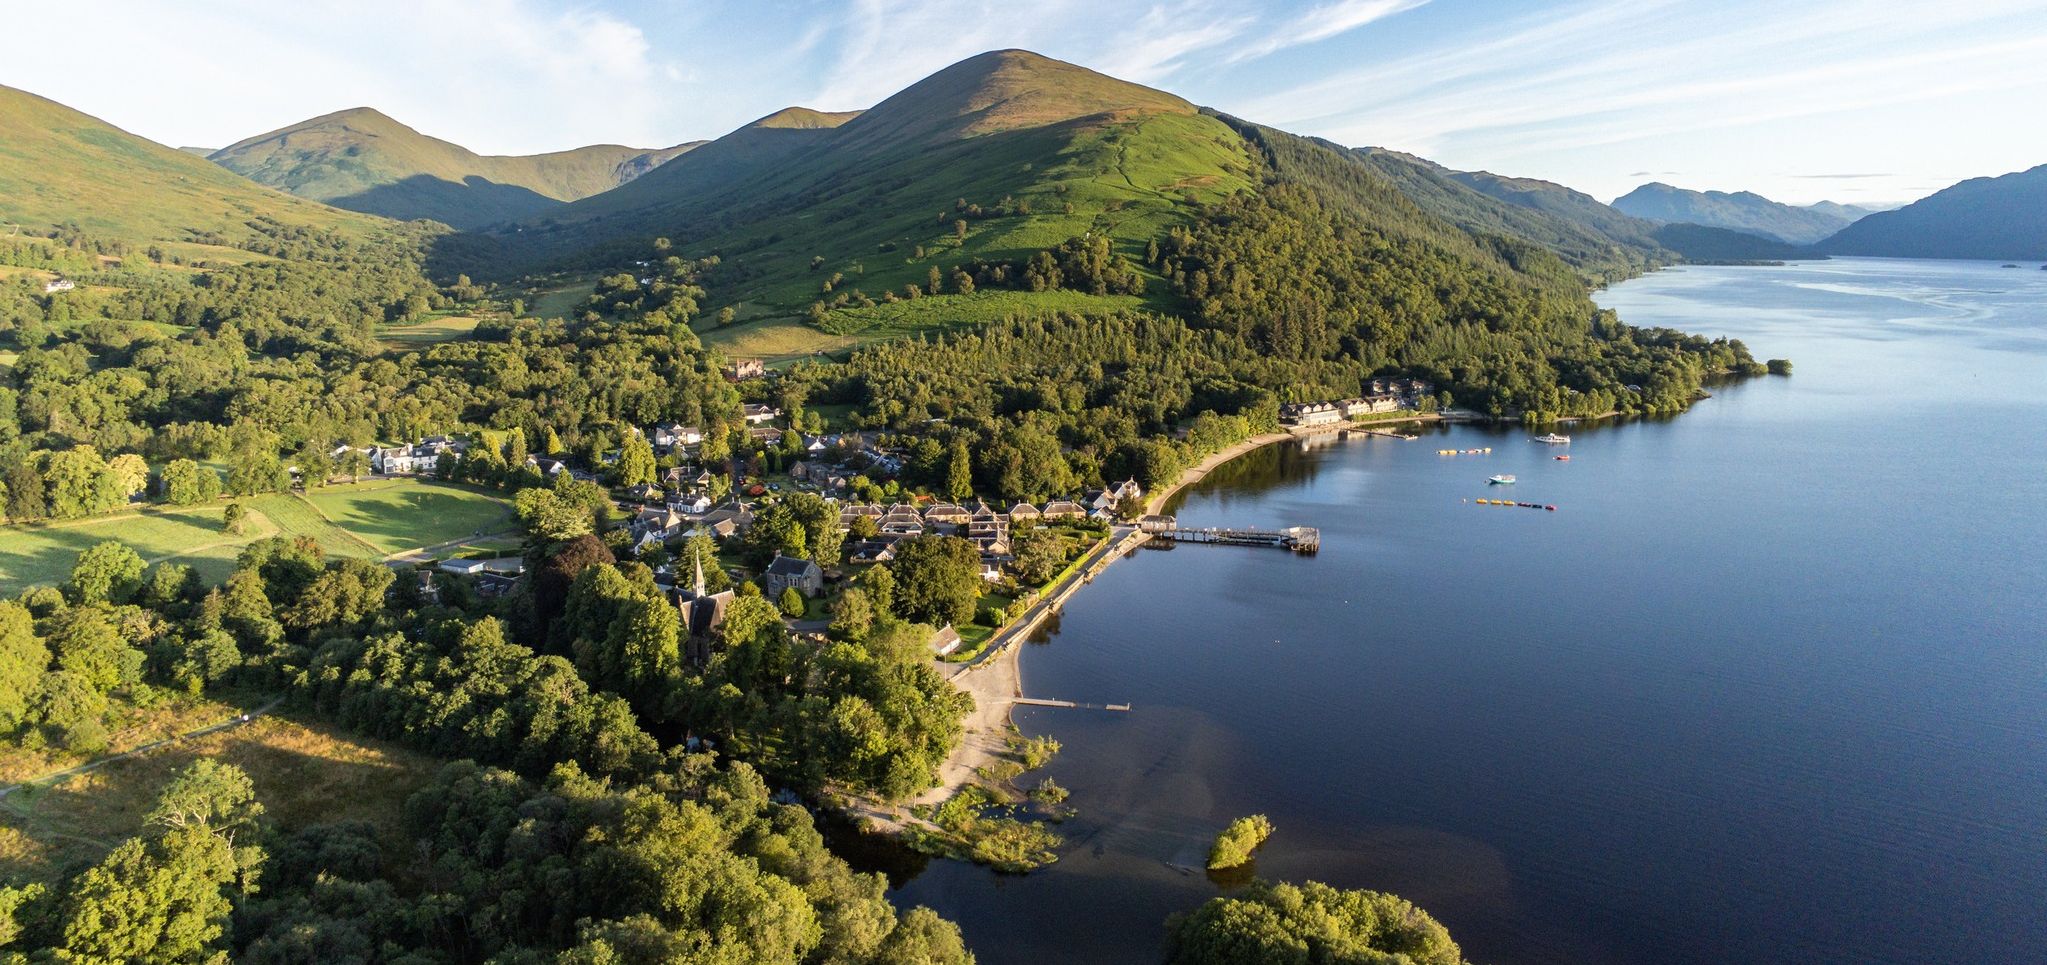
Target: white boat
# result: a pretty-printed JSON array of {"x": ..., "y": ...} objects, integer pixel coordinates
[
  {"x": 1501, "y": 480},
  {"x": 1554, "y": 439}
]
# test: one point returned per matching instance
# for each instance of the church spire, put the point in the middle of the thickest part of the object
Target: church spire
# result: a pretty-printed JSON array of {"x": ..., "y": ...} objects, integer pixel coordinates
[{"x": 699, "y": 554}]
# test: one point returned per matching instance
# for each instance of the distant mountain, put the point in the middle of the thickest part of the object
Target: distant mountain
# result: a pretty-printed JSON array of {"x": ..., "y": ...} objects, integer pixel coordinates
[
  {"x": 362, "y": 160},
  {"x": 59, "y": 166},
  {"x": 1592, "y": 236},
  {"x": 2003, "y": 217},
  {"x": 1608, "y": 244},
  {"x": 201, "y": 151},
  {"x": 1739, "y": 211},
  {"x": 1846, "y": 212}
]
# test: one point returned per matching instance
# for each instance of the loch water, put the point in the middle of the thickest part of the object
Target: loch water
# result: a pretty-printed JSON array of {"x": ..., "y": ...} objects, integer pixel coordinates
[{"x": 1770, "y": 685}]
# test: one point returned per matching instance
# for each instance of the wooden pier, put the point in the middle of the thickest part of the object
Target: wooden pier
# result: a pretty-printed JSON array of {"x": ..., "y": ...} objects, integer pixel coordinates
[
  {"x": 1300, "y": 539},
  {"x": 1042, "y": 702}
]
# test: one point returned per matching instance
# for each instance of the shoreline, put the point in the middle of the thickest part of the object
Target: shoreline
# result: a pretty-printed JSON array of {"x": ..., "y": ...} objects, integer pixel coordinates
[
  {"x": 996, "y": 680},
  {"x": 1212, "y": 461}
]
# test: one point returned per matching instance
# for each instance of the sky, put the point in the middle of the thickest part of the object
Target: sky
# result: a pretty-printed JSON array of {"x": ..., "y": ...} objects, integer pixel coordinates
[{"x": 1858, "y": 101}]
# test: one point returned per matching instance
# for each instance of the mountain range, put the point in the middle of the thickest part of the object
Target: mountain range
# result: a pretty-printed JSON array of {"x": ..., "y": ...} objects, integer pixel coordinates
[
  {"x": 993, "y": 159},
  {"x": 362, "y": 160},
  {"x": 1737, "y": 211}
]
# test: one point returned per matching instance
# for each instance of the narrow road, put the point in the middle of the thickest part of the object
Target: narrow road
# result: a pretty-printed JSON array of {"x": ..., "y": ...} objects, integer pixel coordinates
[{"x": 57, "y": 777}]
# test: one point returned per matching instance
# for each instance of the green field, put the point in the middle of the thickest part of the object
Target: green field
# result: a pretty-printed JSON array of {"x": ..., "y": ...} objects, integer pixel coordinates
[
  {"x": 778, "y": 339},
  {"x": 43, "y": 553},
  {"x": 559, "y": 302},
  {"x": 366, "y": 520},
  {"x": 431, "y": 331},
  {"x": 395, "y": 515}
]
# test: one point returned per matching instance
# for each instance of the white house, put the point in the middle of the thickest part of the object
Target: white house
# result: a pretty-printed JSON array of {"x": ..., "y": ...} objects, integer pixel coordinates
[
  {"x": 691, "y": 503},
  {"x": 58, "y": 285},
  {"x": 757, "y": 413},
  {"x": 671, "y": 436}
]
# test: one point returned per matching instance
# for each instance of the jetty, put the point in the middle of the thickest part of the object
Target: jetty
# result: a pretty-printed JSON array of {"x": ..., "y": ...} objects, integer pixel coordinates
[
  {"x": 1042, "y": 702},
  {"x": 1300, "y": 539}
]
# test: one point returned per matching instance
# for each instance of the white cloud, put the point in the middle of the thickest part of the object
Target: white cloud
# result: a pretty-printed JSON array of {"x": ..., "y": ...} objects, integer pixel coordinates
[
  {"x": 1323, "y": 22},
  {"x": 499, "y": 76}
]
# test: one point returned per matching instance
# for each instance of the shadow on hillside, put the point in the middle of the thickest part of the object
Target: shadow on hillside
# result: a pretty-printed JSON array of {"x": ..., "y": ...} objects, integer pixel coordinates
[{"x": 471, "y": 204}]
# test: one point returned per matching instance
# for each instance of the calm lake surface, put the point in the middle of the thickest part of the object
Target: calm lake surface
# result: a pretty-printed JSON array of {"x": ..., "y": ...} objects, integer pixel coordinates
[{"x": 1769, "y": 686}]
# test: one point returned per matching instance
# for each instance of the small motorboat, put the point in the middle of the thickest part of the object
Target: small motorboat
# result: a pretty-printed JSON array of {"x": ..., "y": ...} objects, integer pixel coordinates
[
  {"x": 1501, "y": 480},
  {"x": 1554, "y": 439},
  {"x": 1563, "y": 458}
]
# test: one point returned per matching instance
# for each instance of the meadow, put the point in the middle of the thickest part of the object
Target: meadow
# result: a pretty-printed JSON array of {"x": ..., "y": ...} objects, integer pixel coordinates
[
  {"x": 783, "y": 338},
  {"x": 369, "y": 520},
  {"x": 393, "y": 515},
  {"x": 304, "y": 773},
  {"x": 406, "y": 336}
]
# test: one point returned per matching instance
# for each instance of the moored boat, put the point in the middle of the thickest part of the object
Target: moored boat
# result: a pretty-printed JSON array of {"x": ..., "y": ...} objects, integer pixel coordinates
[
  {"x": 1501, "y": 480},
  {"x": 1554, "y": 439}
]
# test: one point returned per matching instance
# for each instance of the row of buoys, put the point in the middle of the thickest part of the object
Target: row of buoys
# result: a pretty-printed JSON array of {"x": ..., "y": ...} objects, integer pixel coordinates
[
  {"x": 1508, "y": 502},
  {"x": 1464, "y": 452}
]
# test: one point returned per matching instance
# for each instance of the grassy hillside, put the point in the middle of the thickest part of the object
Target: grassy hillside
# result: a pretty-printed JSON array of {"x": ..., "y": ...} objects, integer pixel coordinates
[
  {"x": 695, "y": 182},
  {"x": 1998, "y": 218},
  {"x": 58, "y": 165},
  {"x": 1026, "y": 151},
  {"x": 363, "y": 160}
]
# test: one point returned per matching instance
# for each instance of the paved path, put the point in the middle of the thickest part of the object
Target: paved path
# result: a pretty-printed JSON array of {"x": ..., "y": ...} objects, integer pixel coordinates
[
  {"x": 59, "y": 777},
  {"x": 1050, "y": 598},
  {"x": 423, "y": 554}
]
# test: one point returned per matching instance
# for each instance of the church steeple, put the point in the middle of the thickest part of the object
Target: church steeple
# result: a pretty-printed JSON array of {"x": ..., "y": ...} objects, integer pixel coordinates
[{"x": 699, "y": 555}]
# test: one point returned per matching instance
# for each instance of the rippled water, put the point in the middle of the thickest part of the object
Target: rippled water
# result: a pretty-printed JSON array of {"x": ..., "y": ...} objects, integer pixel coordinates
[{"x": 1770, "y": 686}]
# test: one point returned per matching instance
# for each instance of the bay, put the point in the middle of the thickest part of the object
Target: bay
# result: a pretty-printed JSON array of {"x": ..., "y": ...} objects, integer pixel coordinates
[{"x": 1770, "y": 685}]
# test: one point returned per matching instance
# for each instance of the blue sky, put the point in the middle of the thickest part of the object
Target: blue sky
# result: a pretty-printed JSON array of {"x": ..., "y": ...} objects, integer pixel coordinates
[{"x": 1849, "y": 100}]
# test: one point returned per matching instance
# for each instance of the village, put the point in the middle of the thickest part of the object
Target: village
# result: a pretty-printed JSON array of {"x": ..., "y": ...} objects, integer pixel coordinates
[{"x": 658, "y": 522}]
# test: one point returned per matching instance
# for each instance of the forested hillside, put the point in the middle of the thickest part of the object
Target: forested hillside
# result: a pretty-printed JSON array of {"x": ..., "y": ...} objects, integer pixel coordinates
[
  {"x": 1993, "y": 218},
  {"x": 1603, "y": 243},
  {"x": 361, "y": 160}
]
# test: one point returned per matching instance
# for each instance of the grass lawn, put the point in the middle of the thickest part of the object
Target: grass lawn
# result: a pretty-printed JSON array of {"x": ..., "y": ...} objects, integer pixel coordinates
[
  {"x": 296, "y": 516},
  {"x": 366, "y": 520},
  {"x": 559, "y": 302},
  {"x": 43, "y": 553},
  {"x": 430, "y": 331},
  {"x": 773, "y": 339},
  {"x": 305, "y": 773},
  {"x": 393, "y": 515},
  {"x": 782, "y": 338}
]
